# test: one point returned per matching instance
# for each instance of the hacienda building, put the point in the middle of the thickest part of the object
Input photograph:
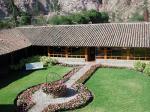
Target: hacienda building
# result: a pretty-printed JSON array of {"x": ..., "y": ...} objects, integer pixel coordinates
[{"x": 117, "y": 41}]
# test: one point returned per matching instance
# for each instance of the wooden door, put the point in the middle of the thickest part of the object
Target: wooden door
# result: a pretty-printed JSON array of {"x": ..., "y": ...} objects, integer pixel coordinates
[{"x": 91, "y": 54}]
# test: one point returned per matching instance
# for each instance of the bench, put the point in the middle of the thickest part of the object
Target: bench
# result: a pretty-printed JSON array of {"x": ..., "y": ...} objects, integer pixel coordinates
[{"x": 34, "y": 66}]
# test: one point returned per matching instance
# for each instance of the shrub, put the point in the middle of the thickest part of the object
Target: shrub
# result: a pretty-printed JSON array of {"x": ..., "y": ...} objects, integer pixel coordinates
[
  {"x": 147, "y": 69},
  {"x": 54, "y": 62},
  {"x": 46, "y": 61},
  {"x": 79, "y": 18},
  {"x": 95, "y": 16},
  {"x": 139, "y": 66},
  {"x": 57, "y": 20},
  {"x": 25, "y": 19},
  {"x": 7, "y": 23},
  {"x": 105, "y": 17}
]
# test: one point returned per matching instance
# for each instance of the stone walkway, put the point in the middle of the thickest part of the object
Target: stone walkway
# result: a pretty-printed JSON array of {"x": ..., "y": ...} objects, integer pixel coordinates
[
  {"x": 43, "y": 100},
  {"x": 79, "y": 74}
]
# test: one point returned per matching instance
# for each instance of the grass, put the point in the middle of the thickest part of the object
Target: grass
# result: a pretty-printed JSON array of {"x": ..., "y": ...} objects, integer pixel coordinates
[
  {"x": 118, "y": 90},
  {"x": 114, "y": 90},
  {"x": 9, "y": 92}
]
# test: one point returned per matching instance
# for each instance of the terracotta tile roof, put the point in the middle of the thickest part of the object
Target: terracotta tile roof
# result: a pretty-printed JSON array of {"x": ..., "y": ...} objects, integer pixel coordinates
[
  {"x": 12, "y": 40},
  {"x": 102, "y": 35}
]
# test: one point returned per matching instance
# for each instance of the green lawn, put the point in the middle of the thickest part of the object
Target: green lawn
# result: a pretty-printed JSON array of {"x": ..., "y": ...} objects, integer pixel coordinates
[
  {"x": 118, "y": 90},
  {"x": 22, "y": 81}
]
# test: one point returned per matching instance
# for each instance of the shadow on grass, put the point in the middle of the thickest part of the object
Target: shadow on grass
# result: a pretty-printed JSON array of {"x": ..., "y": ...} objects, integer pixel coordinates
[
  {"x": 7, "y": 108},
  {"x": 11, "y": 77}
]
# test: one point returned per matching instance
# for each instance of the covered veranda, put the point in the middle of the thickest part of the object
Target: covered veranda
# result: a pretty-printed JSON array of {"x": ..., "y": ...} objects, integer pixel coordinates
[
  {"x": 123, "y": 53},
  {"x": 92, "y": 53}
]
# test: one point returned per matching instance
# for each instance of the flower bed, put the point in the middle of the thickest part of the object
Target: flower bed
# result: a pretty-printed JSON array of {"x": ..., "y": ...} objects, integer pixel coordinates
[
  {"x": 24, "y": 100},
  {"x": 83, "y": 96},
  {"x": 55, "y": 89}
]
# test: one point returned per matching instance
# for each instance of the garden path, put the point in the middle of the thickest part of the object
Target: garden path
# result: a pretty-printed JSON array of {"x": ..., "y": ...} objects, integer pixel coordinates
[
  {"x": 43, "y": 100},
  {"x": 79, "y": 74}
]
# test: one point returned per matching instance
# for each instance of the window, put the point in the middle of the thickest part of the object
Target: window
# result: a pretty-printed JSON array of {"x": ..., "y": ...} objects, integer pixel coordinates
[{"x": 76, "y": 51}]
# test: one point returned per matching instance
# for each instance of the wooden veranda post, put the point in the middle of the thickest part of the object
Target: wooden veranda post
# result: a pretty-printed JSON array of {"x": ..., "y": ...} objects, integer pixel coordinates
[
  {"x": 105, "y": 53},
  {"x": 48, "y": 50},
  {"x": 66, "y": 52},
  {"x": 128, "y": 54},
  {"x": 86, "y": 54}
]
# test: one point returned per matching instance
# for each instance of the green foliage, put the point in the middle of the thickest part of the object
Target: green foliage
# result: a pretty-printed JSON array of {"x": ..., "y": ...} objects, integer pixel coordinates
[
  {"x": 139, "y": 66},
  {"x": 105, "y": 17},
  {"x": 47, "y": 61},
  {"x": 94, "y": 16},
  {"x": 54, "y": 62},
  {"x": 18, "y": 17},
  {"x": 39, "y": 21},
  {"x": 83, "y": 17},
  {"x": 60, "y": 20},
  {"x": 25, "y": 19},
  {"x": 8, "y": 23},
  {"x": 80, "y": 18},
  {"x": 147, "y": 69},
  {"x": 137, "y": 17}
]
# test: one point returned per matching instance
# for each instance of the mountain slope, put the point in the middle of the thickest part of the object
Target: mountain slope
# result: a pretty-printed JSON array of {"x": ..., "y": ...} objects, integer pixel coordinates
[{"x": 119, "y": 10}]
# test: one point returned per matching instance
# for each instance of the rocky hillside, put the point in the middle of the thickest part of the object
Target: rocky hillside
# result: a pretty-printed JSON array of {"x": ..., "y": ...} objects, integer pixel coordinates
[{"x": 119, "y": 10}]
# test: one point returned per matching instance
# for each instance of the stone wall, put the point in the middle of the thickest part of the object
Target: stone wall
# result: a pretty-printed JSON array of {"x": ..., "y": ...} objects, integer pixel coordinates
[
  {"x": 117, "y": 63},
  {"x": 70, "y": 60}
]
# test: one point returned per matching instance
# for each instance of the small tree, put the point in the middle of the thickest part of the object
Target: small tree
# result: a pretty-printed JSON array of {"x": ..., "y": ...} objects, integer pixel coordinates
[
  {"x": 94, "y": 16},
  {"x": 8, "y": 23},
  {"x": 25, "y": 19},
  {"x": 105, "y": 17},
  {"x": 80, "y": 18}
]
